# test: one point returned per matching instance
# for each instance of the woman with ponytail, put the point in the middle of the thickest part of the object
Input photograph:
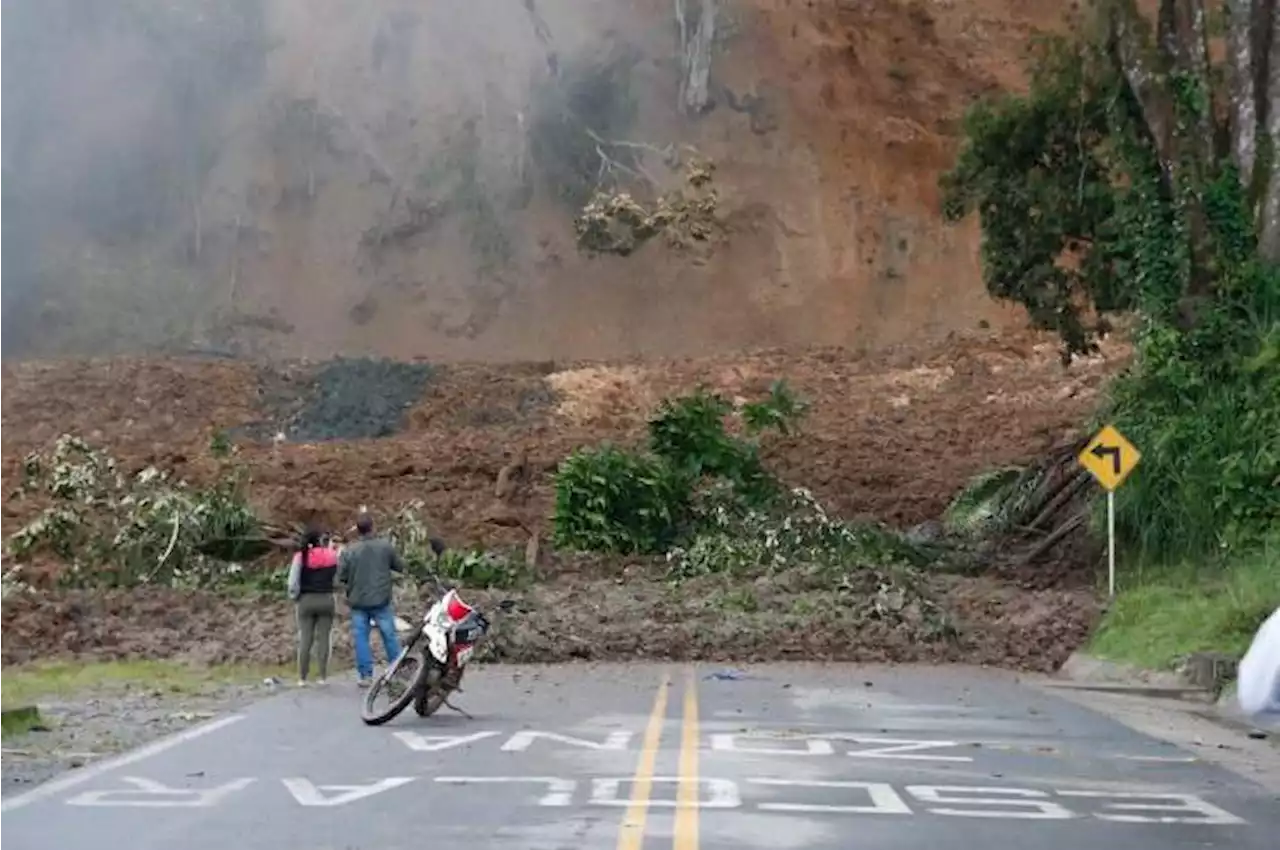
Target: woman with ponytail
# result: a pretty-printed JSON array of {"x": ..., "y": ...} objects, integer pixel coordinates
[{"x": 311, "y": 578}]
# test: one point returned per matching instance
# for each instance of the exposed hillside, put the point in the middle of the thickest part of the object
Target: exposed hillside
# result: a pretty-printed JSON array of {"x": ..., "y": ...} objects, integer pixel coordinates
[{"x": 304, "y": 178}]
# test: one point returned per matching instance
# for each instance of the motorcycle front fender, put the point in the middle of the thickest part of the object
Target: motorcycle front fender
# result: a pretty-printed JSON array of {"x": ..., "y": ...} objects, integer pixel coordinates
[{"x": 437, "y": 642}]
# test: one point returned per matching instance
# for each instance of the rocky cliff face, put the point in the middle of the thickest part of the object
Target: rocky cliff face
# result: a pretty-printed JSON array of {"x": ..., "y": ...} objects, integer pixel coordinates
[{"x": 306, "y": 177}]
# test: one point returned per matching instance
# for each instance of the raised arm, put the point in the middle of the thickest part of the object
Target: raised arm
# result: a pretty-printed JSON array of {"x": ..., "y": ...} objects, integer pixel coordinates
[
  {"x": 344, "y": 567},
  {"x": 295, "y": 577},
  {"x": 397, "y": 563}
]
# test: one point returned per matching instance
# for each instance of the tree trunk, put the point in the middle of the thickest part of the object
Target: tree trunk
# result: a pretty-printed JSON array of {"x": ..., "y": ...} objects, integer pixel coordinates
[
  {"x": 1129, "y": 37},
  {"x": 1269, "y": 206},
  {"x": 1242, "y": 85},
  {"x": 1181, "y": 124}
]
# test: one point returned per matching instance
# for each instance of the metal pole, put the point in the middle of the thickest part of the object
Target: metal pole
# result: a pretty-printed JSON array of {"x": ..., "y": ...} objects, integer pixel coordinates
[{"x": 1111, "y": 543}]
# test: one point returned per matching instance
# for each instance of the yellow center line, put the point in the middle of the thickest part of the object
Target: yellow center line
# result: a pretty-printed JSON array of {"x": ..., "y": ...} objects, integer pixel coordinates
[
  {"x": 631, "y": 833},
  {"x": 687, "y": 797}
]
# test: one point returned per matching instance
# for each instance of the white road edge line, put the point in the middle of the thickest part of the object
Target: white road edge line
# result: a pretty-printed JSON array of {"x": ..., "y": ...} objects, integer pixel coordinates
[{"x": 93, "y": 771}]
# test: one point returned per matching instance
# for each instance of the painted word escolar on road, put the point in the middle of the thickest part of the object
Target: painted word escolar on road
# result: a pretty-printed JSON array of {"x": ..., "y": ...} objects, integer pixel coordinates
[
  {"x": 816, "y": 760},
  {"x": 687, "y": 794}
]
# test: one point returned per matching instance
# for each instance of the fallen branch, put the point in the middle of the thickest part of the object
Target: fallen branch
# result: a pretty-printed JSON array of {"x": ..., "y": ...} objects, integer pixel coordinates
[
  {"x": 173, "y": 541},
  {"x": 1066, "y": 490},
  {"x": 1053, "y": 539}
]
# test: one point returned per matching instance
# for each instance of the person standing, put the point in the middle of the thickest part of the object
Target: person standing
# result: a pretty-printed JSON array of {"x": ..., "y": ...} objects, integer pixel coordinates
[
  {"x": 364, "y": 569},
  {"x": 311, "y": 578}
]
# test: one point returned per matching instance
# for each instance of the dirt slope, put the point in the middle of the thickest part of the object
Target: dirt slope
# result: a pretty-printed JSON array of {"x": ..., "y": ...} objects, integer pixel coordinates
[
  {"x": 891, "y": 437},
  {"x": 830, "y": 122}
]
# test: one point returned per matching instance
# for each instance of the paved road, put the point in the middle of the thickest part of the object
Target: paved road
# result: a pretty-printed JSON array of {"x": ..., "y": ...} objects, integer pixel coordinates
[{"x": 643, "y": 756}]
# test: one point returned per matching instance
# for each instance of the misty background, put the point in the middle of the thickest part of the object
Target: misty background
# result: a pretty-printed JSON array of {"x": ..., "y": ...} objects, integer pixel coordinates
[{"x": 400, "y": 177}]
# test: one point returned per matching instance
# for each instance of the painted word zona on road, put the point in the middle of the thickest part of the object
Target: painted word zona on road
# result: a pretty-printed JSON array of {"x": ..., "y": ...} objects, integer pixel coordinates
[
  {"x": 855, "y": 744},
  {"x": 761, "y": 794}
]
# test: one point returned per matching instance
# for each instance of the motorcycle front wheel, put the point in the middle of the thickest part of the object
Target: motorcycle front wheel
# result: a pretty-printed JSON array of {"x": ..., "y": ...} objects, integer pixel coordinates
[
  {"x": 386, "y": 684},
  {"x": 430, "y": 696}
]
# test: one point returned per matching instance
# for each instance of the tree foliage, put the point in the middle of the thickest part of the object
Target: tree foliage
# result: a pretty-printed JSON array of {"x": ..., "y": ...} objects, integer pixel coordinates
[
  {"x": 1131, "y": 177},
  {"x": 612, "y": 500}
]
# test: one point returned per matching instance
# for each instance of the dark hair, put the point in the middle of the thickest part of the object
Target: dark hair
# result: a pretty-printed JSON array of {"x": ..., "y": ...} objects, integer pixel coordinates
[
  {"x": 364, "y": 524},
  {"x": 310, "y": 539}
]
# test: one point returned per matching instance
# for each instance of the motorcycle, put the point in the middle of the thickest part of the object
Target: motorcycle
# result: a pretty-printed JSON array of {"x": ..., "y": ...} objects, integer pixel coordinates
[{"x": 444, "y": 643}]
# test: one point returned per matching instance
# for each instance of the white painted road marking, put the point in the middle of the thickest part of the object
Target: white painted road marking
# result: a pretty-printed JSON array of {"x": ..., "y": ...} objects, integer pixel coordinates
[
  {"x": 309, "y": 794},
  {"x": 559, "y": 793},
  {"x": 1027, "y": 804},
  {"x": 884, "y": 800},
  {"x": 763, "y": 742},
  {"x": 881, "y": 798},
  {"x": 435, "y": 743},
  {"x": 813, "y": 746},
  {"x": 147, "y": 793},
  {"x": 870, "y": 798},
  {"x": 56, "y": 786},
  {"x": 1211, "y": 814},
  {"x": 898, "y": 748},
  {"x": 521, "y": 741}
]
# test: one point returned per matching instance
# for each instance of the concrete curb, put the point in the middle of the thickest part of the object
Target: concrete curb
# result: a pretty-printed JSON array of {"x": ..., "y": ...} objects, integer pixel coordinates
[
  {"x": 1185, "y": 694},
  {"x": 1083, "y": 672},
  {"x": 1082, "y": 668}
]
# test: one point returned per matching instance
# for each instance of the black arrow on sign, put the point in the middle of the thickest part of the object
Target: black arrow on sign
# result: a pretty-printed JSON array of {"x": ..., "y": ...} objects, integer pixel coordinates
[{"x": 1101, "y": 452}]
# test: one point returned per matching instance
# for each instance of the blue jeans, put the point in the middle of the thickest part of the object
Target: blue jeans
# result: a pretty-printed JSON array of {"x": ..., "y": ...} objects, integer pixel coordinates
[{"x": 386, "y": 623}]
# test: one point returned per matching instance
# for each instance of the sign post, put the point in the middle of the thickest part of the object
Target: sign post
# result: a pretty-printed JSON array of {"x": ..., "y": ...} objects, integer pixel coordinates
[{"x": 1109, "y": 458}]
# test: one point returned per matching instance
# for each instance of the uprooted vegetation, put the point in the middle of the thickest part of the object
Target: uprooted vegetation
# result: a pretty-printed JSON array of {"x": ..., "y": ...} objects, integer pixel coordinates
[
  {"x": 101, "y": 527},
  {"x": 614, "y": 222},
  {"x": 683, "y": 547},
  {"x": 700, "y": 497}
]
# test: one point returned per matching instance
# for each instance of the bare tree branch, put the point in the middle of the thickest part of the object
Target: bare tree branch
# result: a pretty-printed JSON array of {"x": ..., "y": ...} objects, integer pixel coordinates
[{"x": 695, "y": 54}]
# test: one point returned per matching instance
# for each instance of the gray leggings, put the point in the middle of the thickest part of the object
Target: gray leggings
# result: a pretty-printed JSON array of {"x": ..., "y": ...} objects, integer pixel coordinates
[{"x": 315, "y": 621}]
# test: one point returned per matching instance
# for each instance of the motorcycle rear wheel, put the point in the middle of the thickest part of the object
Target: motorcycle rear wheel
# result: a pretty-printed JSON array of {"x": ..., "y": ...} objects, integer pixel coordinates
[{"x": 370, "y": 715}]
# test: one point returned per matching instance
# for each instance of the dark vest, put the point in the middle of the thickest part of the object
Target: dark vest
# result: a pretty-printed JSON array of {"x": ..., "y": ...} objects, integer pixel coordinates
[{"x": 318, "y": 574}]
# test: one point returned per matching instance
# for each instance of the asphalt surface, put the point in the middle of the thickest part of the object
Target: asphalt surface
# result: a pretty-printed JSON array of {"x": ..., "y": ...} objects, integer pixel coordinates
[{"x": 829, "y": 758}]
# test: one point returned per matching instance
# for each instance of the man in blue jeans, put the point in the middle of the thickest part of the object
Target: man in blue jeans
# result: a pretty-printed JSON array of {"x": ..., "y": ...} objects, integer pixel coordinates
[{"x": 364, "y": 569}]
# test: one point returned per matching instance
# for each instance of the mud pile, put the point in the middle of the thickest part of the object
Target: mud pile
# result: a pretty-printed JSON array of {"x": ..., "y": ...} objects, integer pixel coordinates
[
  {"x": 343, "y": 399},
  {"x": 890, "y": 437},
  {"x": 572, "y": 619}
]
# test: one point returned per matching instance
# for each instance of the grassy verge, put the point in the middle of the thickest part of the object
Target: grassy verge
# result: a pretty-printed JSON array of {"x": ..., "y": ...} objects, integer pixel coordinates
[
  {"x": 27, "y": 684},
  {"x": 1170, "y": 612},
  {"x": 20, "y": 721}
]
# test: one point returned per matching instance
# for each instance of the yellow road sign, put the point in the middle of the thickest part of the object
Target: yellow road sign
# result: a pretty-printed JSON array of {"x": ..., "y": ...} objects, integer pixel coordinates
[{"x": 1109, "y": 457}]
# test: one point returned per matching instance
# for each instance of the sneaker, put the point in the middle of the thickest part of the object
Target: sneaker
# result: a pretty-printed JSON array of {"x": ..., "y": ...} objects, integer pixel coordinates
[
  {"x": 365, "y": 681},
  {"x": 321, "y": 682},
  {"x": 302, "y": 683}
]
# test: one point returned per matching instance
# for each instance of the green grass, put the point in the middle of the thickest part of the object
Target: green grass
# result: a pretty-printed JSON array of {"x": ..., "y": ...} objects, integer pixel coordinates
[
  {"x": 20, "y": 721},
  {"x": 27, "y": 684},
  {"x": 1172, "y": 612}
]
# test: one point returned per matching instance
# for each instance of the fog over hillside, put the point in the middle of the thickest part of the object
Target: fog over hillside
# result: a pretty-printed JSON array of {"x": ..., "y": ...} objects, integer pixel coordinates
[{"x": 308, "y": 177}]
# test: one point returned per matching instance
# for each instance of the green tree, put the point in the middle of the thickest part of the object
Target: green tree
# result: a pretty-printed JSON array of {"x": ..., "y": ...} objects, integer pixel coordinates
[{"x": 1137, "y": 174}]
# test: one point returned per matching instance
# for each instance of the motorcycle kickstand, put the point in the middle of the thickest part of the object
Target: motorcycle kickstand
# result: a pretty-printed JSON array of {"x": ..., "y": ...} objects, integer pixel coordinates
[{"x": 461, "y": 711}]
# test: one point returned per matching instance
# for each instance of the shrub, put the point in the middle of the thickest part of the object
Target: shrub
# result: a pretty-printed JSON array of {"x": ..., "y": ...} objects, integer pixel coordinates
[{"x": 610, "y": 500}]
